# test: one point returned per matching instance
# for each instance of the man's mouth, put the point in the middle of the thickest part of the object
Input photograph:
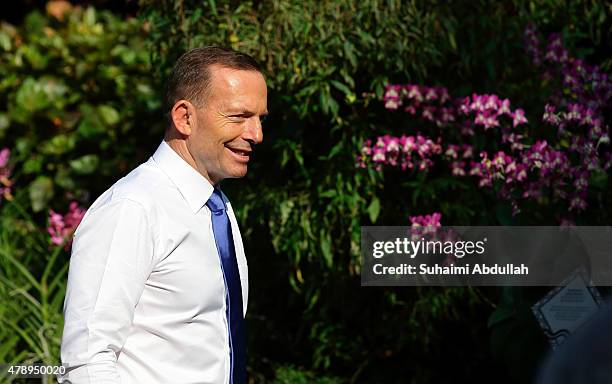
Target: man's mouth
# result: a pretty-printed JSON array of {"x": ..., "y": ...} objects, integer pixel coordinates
[{"x": 241, "y": 154}]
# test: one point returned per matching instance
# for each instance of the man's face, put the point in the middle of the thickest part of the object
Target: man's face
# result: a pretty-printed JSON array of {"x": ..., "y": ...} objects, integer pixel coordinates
[{"x": 229, "y": 124}]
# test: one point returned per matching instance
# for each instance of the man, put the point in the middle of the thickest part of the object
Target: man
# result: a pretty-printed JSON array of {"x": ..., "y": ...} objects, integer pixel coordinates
[{"x": 157, "y": 286}]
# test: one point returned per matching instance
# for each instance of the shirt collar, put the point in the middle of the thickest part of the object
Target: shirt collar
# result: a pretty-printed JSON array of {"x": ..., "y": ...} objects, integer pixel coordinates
[{"x": 195, "y": 188}]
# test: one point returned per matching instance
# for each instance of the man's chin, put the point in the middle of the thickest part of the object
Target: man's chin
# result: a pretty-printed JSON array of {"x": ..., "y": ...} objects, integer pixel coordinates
[{"x": 237, "y": 172}]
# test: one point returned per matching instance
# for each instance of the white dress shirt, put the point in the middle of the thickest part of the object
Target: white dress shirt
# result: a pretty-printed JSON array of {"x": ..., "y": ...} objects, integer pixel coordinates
[{"x": 146, "y": 300}]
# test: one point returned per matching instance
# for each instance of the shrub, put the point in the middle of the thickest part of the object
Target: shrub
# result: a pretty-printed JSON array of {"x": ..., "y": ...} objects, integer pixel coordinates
[{"x": 78, "y": 103}]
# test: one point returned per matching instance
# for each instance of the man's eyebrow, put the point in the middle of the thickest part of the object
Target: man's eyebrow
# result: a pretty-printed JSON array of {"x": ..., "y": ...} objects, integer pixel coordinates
[{"x": 245, "y": 112}]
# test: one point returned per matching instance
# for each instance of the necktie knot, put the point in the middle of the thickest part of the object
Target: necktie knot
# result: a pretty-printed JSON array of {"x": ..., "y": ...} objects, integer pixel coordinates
[{"x": 215, "y": 203}]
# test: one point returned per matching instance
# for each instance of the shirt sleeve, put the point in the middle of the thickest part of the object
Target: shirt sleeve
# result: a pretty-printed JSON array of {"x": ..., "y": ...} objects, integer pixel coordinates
[{"x": 112, "y": 257}]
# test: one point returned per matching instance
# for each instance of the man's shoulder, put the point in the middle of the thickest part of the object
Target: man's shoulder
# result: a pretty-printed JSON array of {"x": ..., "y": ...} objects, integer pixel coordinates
[{"x": 143, "y": 185}]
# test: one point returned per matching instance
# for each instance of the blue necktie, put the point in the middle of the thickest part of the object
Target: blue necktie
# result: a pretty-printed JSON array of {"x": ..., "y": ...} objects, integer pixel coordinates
[{"x": 225, "y": 246}]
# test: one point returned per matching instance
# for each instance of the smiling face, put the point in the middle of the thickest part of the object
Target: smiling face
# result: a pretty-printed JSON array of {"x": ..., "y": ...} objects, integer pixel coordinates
[{"x": 220, "y": 136}]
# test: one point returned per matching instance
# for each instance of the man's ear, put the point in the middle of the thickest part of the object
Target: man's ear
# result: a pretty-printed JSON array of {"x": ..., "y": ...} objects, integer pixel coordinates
[{"x": 183, "y": 116}]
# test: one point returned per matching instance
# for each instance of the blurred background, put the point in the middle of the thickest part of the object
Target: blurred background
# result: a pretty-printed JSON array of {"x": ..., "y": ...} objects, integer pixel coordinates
[{"x": 474, "y": 112}]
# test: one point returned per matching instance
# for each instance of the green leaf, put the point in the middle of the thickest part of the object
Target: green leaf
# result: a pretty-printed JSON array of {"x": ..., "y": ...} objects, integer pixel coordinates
[
  {"x": 35, "y": 22},
  {"x": 85, "y": 165},
  {"x": 64, "y": 180},
  {"x": 32, "y": 165},
  {"x": 341, "y": 87},
  {"x": 41, "y": 192},
  {"x": 35, "y": 57},
  {"x": 374, "y": 209},
  {"x": 328, "y": 194},
  {"x": 326, "y": 249},
  {"x": 349, "y": 52},
  {"x": 91, "y": 127},
  {"x": 109, "y": 114},
  {"x": 5, "y": 41},
  {"x": 89, "y": 18},
  {"x": 30, "y": 97},
  {"x": 324, "y": 102},
  {"x": 335, "y": 150},
  {"x": 333, "y": 106},
  {"x": 314, "y": 299},
  {"x": 366, "y": 37},
  {"x": 128, "y": 57},
  {"x": 452, "y": 41},
  {"x": 58, "y": 145},
  {"x": 5, "y": 122},
  {"x": 213, "y": 7},
  {"x": 285, "y": 210}
]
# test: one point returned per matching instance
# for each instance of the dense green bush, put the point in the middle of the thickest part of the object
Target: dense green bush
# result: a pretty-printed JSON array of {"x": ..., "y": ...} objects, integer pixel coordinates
[
  {"x": 32, "y": 285},
  {"x": 76, "y": 103}
]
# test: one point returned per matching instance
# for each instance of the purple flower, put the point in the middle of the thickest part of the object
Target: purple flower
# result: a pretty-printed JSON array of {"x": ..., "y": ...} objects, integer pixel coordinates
[
  {"x": 61, "y": 227},
  {"x": 392, "y": 104},
  {"x": 499, "y": 159},
  {"x": 518, "y": 117},
  {"x": 477, "y": 103},
  {"x": 464, "y": 105},
  {"x": 428, "y": 113},
  {"x": 490, "y": 121},
  {"x": 588, "y": 117},
  {"x": 491, "y": 102},
  {"x": 392, "y": 97},
  {"x": 5, "y": 175},
  {"x": 549, "y": 115},
  {"x": 399, "y": 151},
  {"x": 443, "y": 95},
  {"x": 378, "y": 155},
  {"x": 5, "y": 154},
  {"x": 414, "y": 93},
  {"x": 458, "y": 168},
  {"x": 446, "y": 115},
  {"x": 574, "y": 112},
  {"x": 504, "y": 107},
  {"x": 468, "y": 151},
  {"x": 577, "y": 203},
  {"x": 480, "y": 119},
  {"x": 432, "y": 220},
  {"x": 452, "y": 151},
  {"x": 431, "y": 94}
]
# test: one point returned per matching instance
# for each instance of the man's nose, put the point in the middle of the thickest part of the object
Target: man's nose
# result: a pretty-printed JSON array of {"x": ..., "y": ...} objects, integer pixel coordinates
[{"x": 254, "y": 132}]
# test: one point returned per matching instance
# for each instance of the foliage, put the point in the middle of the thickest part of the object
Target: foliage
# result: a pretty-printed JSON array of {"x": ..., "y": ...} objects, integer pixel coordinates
[
  {"x": 77, "y": 102},
  {"x": 33, "y": 276},
  {"x": 291, "y": 375}
]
